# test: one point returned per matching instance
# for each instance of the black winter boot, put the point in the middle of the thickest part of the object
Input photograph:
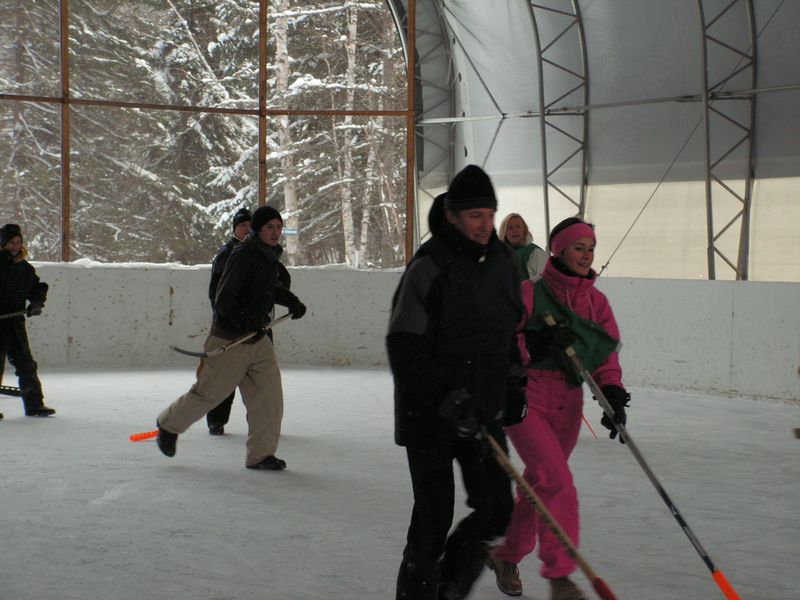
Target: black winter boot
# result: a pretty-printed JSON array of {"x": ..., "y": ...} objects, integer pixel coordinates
[
  {"x": 166, "y": 441},
  {"x": 42, "y": 411},
  {"x": 271, "y": 463}
]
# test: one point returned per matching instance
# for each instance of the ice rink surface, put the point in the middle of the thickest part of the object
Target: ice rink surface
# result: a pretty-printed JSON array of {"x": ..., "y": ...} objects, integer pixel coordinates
[{"x": 89, "y": 515}]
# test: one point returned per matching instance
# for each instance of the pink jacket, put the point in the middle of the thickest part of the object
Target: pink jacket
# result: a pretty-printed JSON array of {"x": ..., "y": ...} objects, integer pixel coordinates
[{"x": 580, "y": 296}]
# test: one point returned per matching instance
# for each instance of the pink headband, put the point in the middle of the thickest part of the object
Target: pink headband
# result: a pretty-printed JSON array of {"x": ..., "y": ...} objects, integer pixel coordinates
[{"x": 568, "y": 235}]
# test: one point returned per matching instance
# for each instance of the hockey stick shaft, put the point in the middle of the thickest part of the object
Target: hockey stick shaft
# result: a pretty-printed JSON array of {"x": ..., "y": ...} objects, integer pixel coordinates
[
  {"x": 719, "y": 578},
  {"x": 8, "y": 390},
  {"x": 234, "y": 343},
  {"x": 19, "y": 313},
  {"x": 527, "y": 492}
]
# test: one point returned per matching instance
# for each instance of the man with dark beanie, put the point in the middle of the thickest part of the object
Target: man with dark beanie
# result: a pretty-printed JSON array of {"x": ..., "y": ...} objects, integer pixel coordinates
[
  {"x": 452, "y": 351},
  {"x": 245, "y": 296},
  {"x": 218, "y": 417},
  {"x": 19, "y": 285}
]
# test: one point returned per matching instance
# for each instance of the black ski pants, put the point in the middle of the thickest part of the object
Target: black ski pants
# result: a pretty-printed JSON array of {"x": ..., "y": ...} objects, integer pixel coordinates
[
  {"x": 221, "y": 413},
  {"x": 14, "y": 342},
  {"x": 435, "y": 566}
]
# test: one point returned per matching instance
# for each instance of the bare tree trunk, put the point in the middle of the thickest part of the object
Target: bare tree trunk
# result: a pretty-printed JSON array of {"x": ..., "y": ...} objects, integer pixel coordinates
[
  {"x": 284, "y": 132},
  {"x": 345, "y": 187}
]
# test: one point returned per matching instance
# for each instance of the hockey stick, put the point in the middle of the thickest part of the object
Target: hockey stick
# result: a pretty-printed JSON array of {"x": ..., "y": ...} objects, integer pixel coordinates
[
  {"x": 145, "y": 435},
  {"x": 719, "y": 578},
  {"x": 19, "y": 313},
  {"x": 8, "y": 390},
  {"x": 527, "y": 491},
  {"x": 234, "y": 343}
]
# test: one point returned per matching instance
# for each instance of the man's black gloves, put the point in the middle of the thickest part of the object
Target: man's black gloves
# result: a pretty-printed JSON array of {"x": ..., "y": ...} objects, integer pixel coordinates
[
  {"x": 458, "y": 409},
  {"x": 552, "y": 338},
  {"x": 297, "y": 308},
  {"x": 618, "y": 398},
  {"x": 34, "y": 309}
]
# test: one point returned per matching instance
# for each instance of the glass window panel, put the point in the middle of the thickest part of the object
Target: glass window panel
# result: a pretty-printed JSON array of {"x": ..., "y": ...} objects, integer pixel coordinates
[
  {"x": 332, "y": 56},
  {"x": 184, "y": 52},
  {"x": 30, "y": 180},
  {"x": 340, "y": 183},
  {"x": 29, "y": 49},
  {"x": 158, "y": 186}
]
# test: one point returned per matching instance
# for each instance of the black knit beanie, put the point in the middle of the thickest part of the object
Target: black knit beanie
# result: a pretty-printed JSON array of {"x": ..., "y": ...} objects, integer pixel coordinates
[
  {"x": 471, "y": 188},
  {"x": 262, "y": 216},
  {"x": 8, "y": 232},
  {"x": 242, "y": 216}
]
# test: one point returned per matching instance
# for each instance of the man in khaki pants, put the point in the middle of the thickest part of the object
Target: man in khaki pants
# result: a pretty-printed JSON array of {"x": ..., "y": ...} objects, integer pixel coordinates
[{"x": 246, "y": 294}]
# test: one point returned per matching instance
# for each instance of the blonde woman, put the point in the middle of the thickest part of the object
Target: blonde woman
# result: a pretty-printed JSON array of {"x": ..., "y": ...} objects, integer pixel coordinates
[{"x": 529, "y": 257}]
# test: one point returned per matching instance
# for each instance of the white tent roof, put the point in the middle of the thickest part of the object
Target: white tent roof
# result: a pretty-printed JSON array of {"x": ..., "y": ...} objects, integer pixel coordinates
[{"x": 640, "y": 95}]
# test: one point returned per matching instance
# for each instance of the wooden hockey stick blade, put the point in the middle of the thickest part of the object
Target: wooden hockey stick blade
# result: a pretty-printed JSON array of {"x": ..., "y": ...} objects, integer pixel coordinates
[
  {"x": 9, "y": 390},
  {"x": 144, "y": 435},
  {"x": 236, "y": 342}
]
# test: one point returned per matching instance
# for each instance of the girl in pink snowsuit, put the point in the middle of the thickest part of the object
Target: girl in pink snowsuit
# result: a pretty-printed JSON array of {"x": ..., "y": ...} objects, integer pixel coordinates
[{"x": 547, "y": 436}]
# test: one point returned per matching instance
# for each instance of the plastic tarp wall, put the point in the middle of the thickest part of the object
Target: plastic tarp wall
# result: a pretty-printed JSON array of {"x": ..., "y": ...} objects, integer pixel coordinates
[{"x": 645, "y": 145}]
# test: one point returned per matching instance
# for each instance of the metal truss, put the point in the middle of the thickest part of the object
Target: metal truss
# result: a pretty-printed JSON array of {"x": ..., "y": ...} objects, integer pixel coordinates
[
  {"x": 563, "y": 19},
  {"x": 725, "y": 110}
]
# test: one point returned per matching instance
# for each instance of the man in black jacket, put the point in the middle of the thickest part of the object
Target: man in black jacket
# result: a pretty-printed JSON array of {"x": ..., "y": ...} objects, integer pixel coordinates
[
  {"x": 246, "y": 294},
  {"x": 451, "y": 349},
  {"x": 19, "y": 285},
  {"x": 218, "y": 417}
]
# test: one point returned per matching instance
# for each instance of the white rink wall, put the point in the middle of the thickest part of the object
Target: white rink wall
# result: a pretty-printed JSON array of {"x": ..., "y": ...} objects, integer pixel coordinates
[{"x": 738, "y": 338}]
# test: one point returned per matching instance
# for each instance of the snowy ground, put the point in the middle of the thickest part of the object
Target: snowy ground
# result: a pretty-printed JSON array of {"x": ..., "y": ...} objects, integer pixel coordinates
[{"x": 88, "y": 515}]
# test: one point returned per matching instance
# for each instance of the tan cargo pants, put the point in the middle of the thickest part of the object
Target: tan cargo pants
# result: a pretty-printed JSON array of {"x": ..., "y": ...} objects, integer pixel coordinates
[{"x": 253, "y": 368}]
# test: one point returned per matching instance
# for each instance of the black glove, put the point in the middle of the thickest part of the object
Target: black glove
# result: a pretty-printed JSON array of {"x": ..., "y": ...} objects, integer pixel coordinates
[
  {"x": 552, "y": 338},
  {"x": 297, "y": 309},
  {"x": 34, "y": 309},
  {"x": 516, "y": 400},
  {"x": 458, "y": 409},
  {"x": 618, "y": 398}
]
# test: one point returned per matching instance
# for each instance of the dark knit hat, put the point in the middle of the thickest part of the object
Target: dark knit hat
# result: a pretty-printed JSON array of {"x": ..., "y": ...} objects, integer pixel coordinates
[
  {"x": 470, "y": 188},
  {"x": 262, "y": 216},
  {"x": 242, "y": 216},
  {"x": 8, "y": 232}
]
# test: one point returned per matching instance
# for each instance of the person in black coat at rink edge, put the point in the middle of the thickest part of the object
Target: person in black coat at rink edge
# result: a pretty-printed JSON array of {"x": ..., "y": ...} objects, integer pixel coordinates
[
  {"x": 218, "y": 417},
  {"x": 19, "y": 285},
  {"x": 452, "y": 352}
]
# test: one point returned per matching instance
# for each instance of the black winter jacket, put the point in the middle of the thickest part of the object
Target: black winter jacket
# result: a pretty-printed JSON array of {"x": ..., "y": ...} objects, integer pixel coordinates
[
  {"x": 19, "y": 283},
  {"x": 221, "y": 259},
  {"x": 248, "y": 289},
  {"x": 453, "y": 322}
]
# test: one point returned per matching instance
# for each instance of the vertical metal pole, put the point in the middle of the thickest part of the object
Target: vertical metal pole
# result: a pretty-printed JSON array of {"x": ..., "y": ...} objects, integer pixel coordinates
[
  {"x": 262, "y": 102},
  {"x": 65, "y": 132},
  {"x": 707, "y": 145},
  {"x": 743, "y": 260},
  {"x": 542, "y": 122},
  {"x": 585, "y": 116},
  {"x": 411, "y": 166}
]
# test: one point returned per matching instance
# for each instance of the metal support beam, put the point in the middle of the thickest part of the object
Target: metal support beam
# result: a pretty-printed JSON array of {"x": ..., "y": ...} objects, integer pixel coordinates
[
  {"x": 724, "y": 111},
  {"x": 553, "y": 121},
  {"x": 65, "y": 131}
]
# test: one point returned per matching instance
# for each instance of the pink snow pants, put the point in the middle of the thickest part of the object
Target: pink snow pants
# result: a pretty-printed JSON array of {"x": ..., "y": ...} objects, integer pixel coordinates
[{"x": 544, "y": 442}]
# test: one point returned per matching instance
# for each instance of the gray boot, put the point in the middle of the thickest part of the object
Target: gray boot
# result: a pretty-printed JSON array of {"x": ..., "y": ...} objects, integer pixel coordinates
[{"x": 563, "y": 589}]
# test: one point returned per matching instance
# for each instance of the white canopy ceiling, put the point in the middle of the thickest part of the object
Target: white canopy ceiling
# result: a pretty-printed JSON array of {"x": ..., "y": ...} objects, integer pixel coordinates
[{"x": 632, "y": 95}]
